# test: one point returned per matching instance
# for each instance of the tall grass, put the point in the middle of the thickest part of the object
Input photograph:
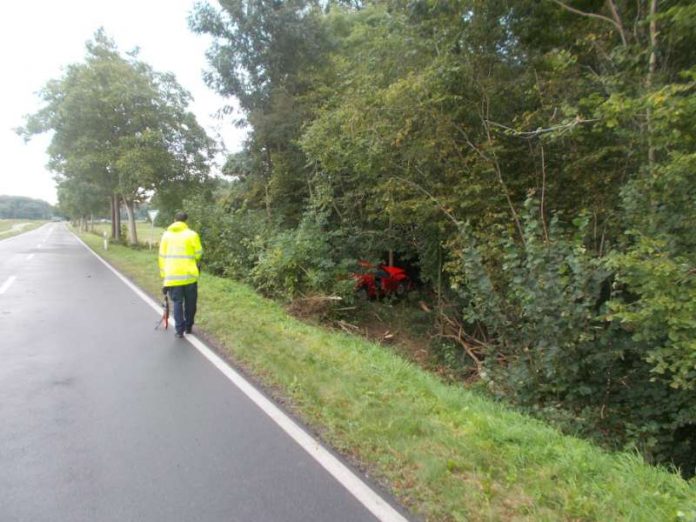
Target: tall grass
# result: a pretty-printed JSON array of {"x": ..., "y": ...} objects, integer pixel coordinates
[{"x": 447, "y": 453}]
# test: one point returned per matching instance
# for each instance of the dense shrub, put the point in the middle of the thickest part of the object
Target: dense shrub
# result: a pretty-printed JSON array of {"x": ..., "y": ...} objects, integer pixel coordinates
[
  {"x": 659, "y": 308},
  {"x": 299, "y": 260},
  {"x": 233, "y": 239},
  {"x": 553, "y": 349},
  {"x": 282, "y": 262}
]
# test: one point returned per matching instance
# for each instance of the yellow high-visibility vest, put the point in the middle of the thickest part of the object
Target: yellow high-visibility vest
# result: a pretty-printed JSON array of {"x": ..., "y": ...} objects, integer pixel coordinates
[{"x": 179, "y": 252}]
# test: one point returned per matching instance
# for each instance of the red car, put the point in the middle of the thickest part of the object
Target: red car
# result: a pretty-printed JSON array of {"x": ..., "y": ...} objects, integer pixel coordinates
[{"x": 381, "y": 280}]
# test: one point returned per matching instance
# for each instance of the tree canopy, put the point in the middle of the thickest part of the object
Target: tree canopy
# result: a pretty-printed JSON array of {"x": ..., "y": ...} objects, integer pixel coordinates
[{"x": 121, "y": 133}]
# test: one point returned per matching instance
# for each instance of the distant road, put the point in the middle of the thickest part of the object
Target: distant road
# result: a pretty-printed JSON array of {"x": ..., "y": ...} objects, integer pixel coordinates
[{"x": 104, "y": 418}]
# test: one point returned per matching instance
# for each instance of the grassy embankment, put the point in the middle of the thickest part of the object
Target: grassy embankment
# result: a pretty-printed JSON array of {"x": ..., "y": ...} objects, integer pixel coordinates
[
  {"x": 447, "y": 453},
  {"x": 13, "y": 227}
]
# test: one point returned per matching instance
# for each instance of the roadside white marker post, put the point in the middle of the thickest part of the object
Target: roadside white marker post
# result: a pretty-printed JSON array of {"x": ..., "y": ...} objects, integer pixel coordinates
[{"x": 106, "y": 241}]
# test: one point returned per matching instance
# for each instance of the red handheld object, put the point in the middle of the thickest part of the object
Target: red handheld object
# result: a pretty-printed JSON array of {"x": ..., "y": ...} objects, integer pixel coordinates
[{"x": 165, "y": 314}]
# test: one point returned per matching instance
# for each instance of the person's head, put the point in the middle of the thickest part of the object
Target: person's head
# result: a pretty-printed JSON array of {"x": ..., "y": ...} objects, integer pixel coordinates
[{"x": 181, "y": 216}]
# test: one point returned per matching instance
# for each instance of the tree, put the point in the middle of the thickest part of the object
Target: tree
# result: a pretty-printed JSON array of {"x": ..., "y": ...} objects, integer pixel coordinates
[
  {"x": 19, "y": 207},
  {"x": 81, "y": 199},
  {"x": 122, "y": 127},
  {"x": 267, "y": 55}
]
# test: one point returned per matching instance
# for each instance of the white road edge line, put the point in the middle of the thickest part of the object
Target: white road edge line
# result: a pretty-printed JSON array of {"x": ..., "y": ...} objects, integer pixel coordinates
[
  {"x": 7, "y": 284},
  {"x": 369, "y": 498},
  {"x": 29, "y": 257}
]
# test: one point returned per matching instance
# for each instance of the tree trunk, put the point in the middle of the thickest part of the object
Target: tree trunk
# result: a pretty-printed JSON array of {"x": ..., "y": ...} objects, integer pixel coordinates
[
  {"x": 652, "y": 66},
  {"x": 119, "y": 237},
  {"x": 391, "y": 252},
  {"x": 113, "y": 216},
  {"x": 269, "y": 161},
  {"x": 485, "y": 120},
  {"x": 116, "y": 218},
  {"x": 267, "y": 200},
  {"x": 130, "y": 210}
]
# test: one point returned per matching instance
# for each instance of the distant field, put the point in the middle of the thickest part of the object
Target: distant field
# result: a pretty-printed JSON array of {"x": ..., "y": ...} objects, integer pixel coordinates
[
  {"x": 145, "y": 231},
  {"x": 12, "y": 227}
]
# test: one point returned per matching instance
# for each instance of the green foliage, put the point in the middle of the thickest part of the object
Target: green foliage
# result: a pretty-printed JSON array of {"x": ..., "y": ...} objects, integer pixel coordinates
[
  {"x": 233, "y": 239},
  {"x": 540, "y": 304},
  {"x": 120, "y": 132},
  {"x": 242, "y": 243},
  {"x": 82, "y": 198},
  {"x": 268, "y": 55},
  {"x": 544, "y": 307},
  {"x": 383, "y": 126},
  {"x": 297, "y": 261},
  {"x": 659, "y": 309}
]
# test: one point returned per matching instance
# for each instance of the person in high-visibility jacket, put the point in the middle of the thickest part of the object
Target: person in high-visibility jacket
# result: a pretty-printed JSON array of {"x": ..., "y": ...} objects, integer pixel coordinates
[{"x": 180, "y": 254}]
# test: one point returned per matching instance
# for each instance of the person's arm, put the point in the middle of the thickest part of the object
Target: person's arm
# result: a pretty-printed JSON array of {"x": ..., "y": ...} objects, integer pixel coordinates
[
  {"x": 197, "y": 248},
  {"x": 162, "y": 252}
]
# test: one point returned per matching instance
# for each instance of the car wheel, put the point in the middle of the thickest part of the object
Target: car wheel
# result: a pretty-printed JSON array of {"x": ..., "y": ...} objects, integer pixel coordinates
[{"x": 401, "y": 289}]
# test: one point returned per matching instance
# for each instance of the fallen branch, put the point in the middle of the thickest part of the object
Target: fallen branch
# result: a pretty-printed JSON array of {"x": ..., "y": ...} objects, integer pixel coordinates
[
  {"x": 320, "y": 298},
  {"x": 454, "y": 330},
  {"x": 347, "y": 327}
]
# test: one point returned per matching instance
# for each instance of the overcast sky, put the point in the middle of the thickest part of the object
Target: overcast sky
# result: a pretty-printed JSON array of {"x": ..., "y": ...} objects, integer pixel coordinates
[{"x": 39, "y": 38}]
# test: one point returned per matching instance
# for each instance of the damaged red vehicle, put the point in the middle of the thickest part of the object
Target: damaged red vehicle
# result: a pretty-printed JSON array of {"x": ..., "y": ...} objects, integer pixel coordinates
[{"x": 381, "y": 280}]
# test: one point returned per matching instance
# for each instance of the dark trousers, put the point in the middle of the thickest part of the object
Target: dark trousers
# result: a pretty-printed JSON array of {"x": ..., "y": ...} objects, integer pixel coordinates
[{"x": 184, "y": 299}]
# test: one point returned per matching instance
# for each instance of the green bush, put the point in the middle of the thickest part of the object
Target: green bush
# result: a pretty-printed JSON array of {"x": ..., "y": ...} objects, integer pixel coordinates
[
  {"x": 233, "y": 240},
  {"x": 242, "y": 244},
  {"x": 553, "y": 349},
  {"x": 540, "y": 305},
  {"x": 659, "y": 309},
  {"x": 298, "y": 261}
]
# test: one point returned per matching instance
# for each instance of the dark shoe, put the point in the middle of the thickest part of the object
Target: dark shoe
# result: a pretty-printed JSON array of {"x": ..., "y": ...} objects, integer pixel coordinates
[
  {"x": 179, "y": 335},
  {"x": 188, "y": 330}
]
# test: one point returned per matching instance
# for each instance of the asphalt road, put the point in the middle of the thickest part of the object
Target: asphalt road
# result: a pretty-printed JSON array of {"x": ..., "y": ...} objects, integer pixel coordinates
[{"x": 103, "y": 418}]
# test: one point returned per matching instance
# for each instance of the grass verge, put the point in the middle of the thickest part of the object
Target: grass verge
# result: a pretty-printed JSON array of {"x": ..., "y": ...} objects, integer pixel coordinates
[{"x": 447, "y": 453}]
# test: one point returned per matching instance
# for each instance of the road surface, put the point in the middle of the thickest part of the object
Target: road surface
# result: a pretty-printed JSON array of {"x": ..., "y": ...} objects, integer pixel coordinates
[{"x": 103, "y": 418}]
